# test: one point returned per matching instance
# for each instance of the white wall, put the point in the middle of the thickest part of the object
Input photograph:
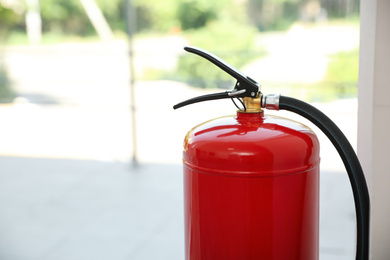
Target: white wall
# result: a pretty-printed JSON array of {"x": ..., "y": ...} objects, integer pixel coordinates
[{"x": 374, "y": 118}]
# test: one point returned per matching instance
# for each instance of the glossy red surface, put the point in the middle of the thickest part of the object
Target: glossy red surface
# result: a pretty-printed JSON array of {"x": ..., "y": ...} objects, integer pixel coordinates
[{"x": 251, "y": 185}]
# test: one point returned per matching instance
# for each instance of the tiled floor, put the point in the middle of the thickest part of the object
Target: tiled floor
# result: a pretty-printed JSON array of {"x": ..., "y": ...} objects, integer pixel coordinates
[
  {"x": 74, "y": 209},
  {"x": 69, "y": 209}
]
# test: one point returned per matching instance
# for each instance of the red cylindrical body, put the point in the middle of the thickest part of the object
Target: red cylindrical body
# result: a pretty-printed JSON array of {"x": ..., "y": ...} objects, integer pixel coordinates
[{"x": 251, "y": 189}]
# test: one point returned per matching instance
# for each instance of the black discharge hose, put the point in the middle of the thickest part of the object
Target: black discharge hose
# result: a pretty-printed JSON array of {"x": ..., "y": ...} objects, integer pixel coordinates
[{"x": 351, "y": 162}]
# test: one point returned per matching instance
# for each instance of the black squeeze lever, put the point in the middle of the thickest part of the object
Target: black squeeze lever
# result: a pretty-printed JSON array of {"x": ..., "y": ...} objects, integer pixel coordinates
[{"x": 245, "y": 86}]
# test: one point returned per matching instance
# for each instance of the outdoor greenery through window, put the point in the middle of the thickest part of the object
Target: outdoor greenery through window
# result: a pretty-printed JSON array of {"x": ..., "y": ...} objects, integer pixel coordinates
[{"x": 303, "y": 46}]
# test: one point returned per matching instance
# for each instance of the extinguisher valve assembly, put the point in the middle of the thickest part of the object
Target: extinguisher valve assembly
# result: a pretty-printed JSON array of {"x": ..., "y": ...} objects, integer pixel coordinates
[{"x": 247, "y": 92}]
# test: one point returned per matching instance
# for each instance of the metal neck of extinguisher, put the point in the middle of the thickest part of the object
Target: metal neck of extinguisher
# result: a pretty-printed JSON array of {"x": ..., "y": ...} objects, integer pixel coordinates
[{"x": 247, "y": 92}]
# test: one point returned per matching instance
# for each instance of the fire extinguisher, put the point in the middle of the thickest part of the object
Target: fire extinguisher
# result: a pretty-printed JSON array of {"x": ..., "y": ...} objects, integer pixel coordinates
[{"x": 251, "y": 181}]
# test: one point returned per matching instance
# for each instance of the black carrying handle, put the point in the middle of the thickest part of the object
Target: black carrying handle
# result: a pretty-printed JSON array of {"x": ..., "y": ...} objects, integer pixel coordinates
[
  {"x": 214, "y": 96},
  {"x": 253, "y": 86},
  {"x": 245, "y": 86}
]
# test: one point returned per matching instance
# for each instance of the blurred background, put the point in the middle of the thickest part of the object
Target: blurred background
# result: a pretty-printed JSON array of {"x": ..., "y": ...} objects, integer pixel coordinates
[{"x": 90, "y": 147}]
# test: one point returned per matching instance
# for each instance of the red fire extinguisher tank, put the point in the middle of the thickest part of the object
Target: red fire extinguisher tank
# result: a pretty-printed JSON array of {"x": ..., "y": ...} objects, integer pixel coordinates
[{"x": 251, "y": 189}]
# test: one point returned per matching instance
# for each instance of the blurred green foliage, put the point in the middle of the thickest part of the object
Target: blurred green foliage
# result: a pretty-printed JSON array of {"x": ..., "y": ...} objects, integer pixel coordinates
[
  {"x": 184, "y": 14},
  {"x": 65, "y": 16},
  {"x": 68, "y": 16},
  {"x": 7, "y": 16},
  {"x": 343, "y": 72},
  {"x": 225, "y": 27},
  {"x": 343, "y": 67},
  {"x": 8, "y": 19},
  {"x": 195, "y": 14},
  {"x": 273, "y": 15},
  {"x": 155, "y": 15},
  {"x": 340, "y": 80},
  {"x": 6, "y": 92},
  {"x": 219, "y": 26}
]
